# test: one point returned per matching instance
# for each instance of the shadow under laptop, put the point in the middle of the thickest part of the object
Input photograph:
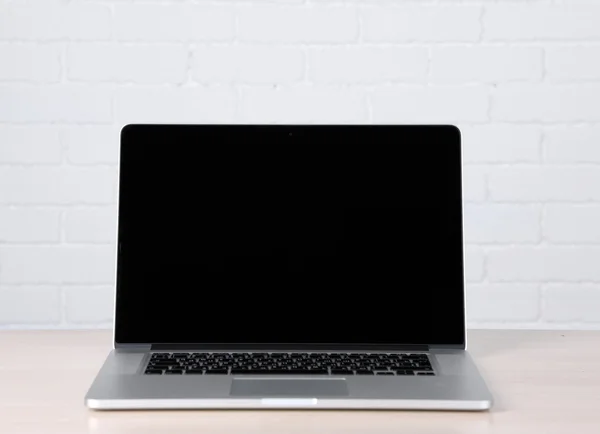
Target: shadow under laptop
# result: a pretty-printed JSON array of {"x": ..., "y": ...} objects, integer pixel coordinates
[{"x": 285, "y": 421}]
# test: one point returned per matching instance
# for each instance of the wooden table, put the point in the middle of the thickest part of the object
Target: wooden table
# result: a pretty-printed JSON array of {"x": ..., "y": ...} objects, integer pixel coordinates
[{"x": 543, "y": 381}]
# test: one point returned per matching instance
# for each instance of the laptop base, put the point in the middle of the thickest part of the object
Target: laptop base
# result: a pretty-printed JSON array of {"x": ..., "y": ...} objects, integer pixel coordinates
[{"x": 122, "y": 385}]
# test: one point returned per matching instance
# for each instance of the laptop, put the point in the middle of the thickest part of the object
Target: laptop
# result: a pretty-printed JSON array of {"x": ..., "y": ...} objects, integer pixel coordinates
[{"x": 289, "y": 266}]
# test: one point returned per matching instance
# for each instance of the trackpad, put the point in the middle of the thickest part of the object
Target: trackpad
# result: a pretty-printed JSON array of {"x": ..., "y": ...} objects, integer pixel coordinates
[{"x": 283, "y": 387}]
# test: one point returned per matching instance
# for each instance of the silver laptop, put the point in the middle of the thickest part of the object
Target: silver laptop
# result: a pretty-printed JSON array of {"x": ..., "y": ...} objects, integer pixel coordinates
[{"x": 305, "y": 267}]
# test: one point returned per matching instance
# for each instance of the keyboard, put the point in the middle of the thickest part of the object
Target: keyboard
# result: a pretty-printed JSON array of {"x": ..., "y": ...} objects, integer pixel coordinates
[{"x": 164, "y": 363}]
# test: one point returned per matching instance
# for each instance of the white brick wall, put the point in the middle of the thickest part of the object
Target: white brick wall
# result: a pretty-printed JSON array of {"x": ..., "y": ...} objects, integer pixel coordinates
[
  {"x": 30, "y": 61},
  {"x": 303, "y": 104},
  {"x": 568, "y": 63},
  {"x": 96, "y": 225},
  {"x": 502, "y": 223},
  {"x": 546, "y": 103},
  {"x": 569, "y": 145},
  {"x": 174, "y": 22},
  {"x": 53, "y": 20},
  {"x": 29, "y": 145},
  {"x": 428, "y": 23},
  {"x": 430, "y": 104},
  {"x": 55, "y": 264},
  {"x": 142, "y": 64},
  {"x": 196, "y": 104},
  {"x": 89, "y": 305},
  {"x": 365, "y": 65},
  {"x": 68, "y": 103},
  {"x": 297, "y": 24},
  {"x": 485, "y": 63},
  {"x": 521, "y": 79},
  {"x": 569, "y": 21},
  {"x": 250, "y": 64}
]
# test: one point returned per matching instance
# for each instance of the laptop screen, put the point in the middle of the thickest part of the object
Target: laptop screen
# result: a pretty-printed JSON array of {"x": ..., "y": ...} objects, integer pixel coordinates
[{"x": 290, "y": 235}]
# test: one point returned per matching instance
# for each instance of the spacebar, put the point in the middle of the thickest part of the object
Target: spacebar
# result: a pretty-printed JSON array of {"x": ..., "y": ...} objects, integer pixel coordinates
[{"x": 280, "y": 372}]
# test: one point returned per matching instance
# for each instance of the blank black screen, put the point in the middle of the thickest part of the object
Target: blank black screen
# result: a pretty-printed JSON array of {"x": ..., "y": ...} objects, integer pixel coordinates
[{"x": 290, "y": 234}]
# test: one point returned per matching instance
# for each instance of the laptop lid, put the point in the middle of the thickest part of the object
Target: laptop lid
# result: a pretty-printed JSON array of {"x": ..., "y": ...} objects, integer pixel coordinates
[{"x": 290, "y": 236}]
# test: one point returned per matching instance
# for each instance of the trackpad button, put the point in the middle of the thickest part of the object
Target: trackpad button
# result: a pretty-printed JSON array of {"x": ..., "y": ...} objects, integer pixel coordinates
[{"x": 266, "y": 387}]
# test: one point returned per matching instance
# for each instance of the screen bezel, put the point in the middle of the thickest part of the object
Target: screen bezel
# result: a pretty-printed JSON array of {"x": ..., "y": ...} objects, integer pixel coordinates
[{"x": 133, "y": 135}]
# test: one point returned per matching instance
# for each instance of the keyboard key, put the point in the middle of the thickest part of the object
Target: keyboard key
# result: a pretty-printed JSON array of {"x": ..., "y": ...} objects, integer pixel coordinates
[
  {"x": 363, "y": 372},
  {"x": 425, "y": 373},
  {"x": 153, "y": 371},
  {"x": 342, "y": 372},
  {"x": 174, "y": 372},
  {"x": 384, "y": 373},
  {"x": 160, "y": 355},
  {"x": 195, "y": 371}
]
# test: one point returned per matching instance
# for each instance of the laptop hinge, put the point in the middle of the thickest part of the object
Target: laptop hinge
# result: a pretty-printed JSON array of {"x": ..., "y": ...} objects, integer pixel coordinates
[{"x": 288, "y": 347}]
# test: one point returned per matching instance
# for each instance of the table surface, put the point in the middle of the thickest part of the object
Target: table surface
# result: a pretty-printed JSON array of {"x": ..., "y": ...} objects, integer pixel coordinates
[{"x": 543, "y": 382}]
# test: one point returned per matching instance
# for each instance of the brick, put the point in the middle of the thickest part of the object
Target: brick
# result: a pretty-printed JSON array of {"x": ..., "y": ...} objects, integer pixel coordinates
[
  {"x": 179, "y": 105},
  {"x": 368, "y": 64},
  {"x": 532, "y": 22},
  {"x": 59, "y": 103},
  {"x": 502, "y": 223},
  {"x": 88, "y": 145},
  {"x": 315, "y": 24},
  {"x": 502, "y": 302},
  {"x": 545, "y": 264},
  {"x": 29, "y": 305},
  {"x": 91, "y": 225},
  {"x": 38, "y": 21},
  {"x": 485, "y": 64},
  {"x": 57, "y": 186},
  {"x": 29, "y": 145},
  {"x": 29, "y": 225},
  {"x": 430, "y": 104},
  {"x": 569, "y": 303},
  {"x": 571, "y": 63},
  {"x": 421, "y": 24},
  {"x": 551, "y": 184},
  {"x": 572, "y": 144},
  {"x": 303, "y": 104},
  {"x": 174, "y": 22},
  {"x": 89, "y": 304},
  {"x": 572, "y": 223},
  {"x": 546, "y": 103},
  {"x": 57, "y": 264},
  {"x": 501, "y": 144},
  {"x": 474, "y": 264},
  {"x": 26, "y": 62},
  {"x": 141, "y": 64},
  {"x": 474, "y": 183},
  {"x": 248, "y": 64}
]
